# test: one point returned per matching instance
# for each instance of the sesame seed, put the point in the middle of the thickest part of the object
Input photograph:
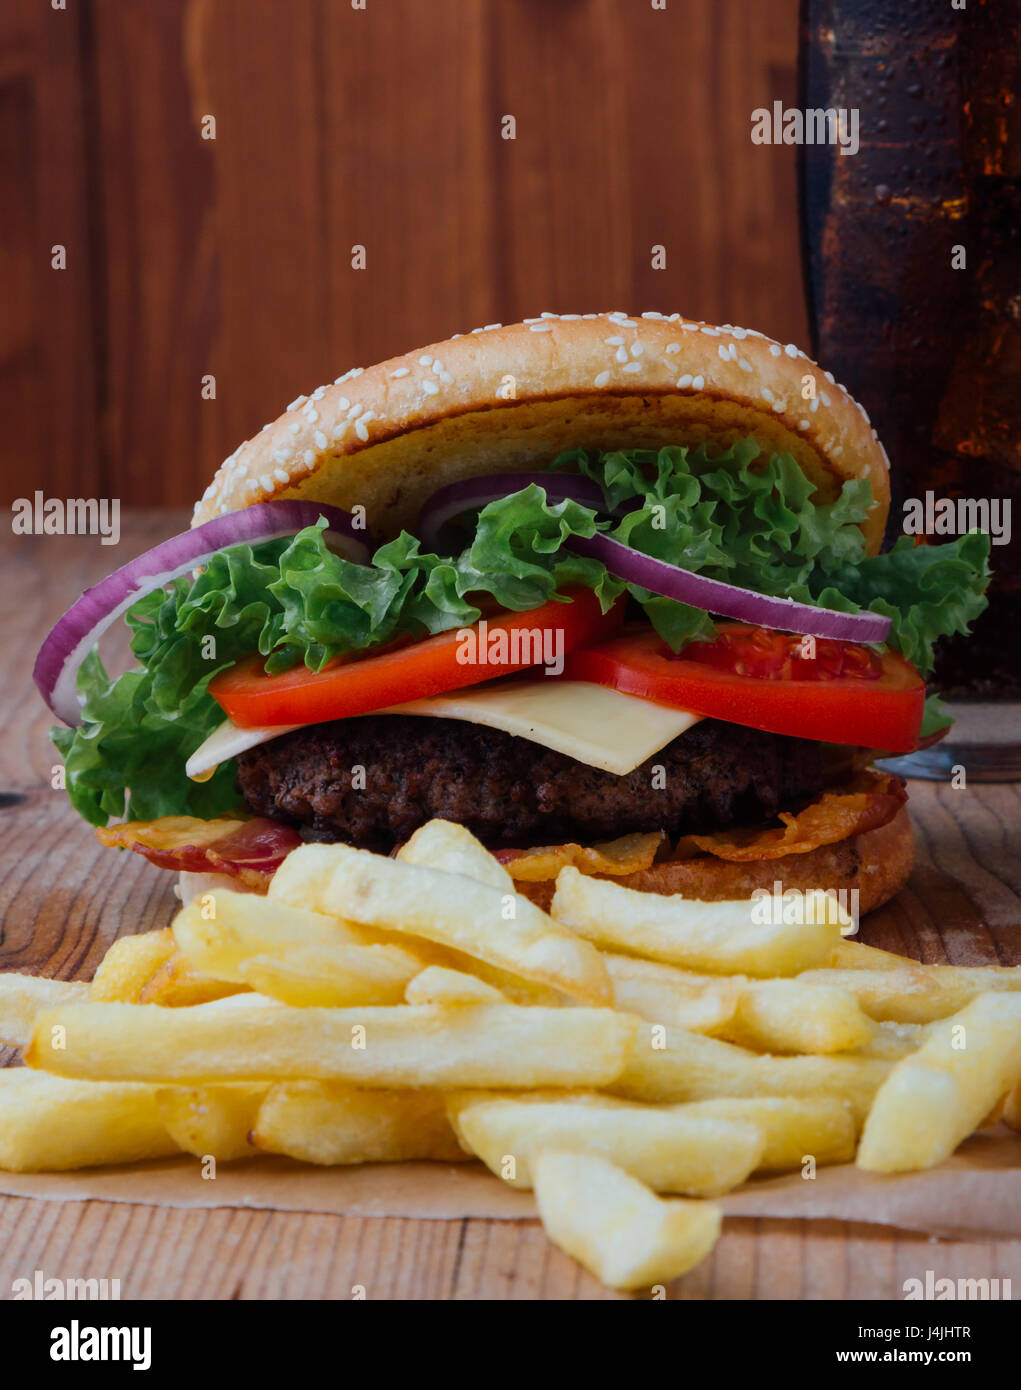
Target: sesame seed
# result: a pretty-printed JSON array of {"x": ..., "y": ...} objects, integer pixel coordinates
[
  {"x": 621, "y": 354},
  {"x": 319, "y": 393},
  {"x": 282, "y": 455},
  {"x": 490, "y": 326},
  {"x": 651, "y": 314},
  {"x": 343, "y": 403},
  {"x": 298, "y": 400},
  {"x": 547, "y": 315},
  {"x": 529, "y": 320},
  {"x": 602, "y": 379},
  {"x": 815, "y": 404},
  {"x": 446, "y": 378},
  {"x": 837, "y": 451},
  {"x": 767, "y": 394},
  {"x": 401, "y": 371},
  {"x": 310, "y": 414},
  {"x": 540, "y": 327},
  {"x": 824, "y": 398},
  {"x": 339, "y": 429},
  {"x": 437, "y": 366},
  {"x": 637, "y": 349},
  {"x": 830, "y": 378},
  {"x": 864, "y": 414},
  {"x": 633, "y": 367},
  {"x": 875, "y": 434},
  {"x": 281, "y": 476},
  {"x": 309, "y": 456},
  {"x": 590, "y": 316},
  {"x": 690, "y": 327},
  {"x": 430, "y": 388},
  {"x": 724, "y": 352},
  {"x": 775, "y": 349},
  {"x": 425, "y": 361},
  {"x": 802, "y": 424},
  {"x": 779, "y": 406},
  {"x": 478, "y": 330},
  {"x": 570, "y": 318},
  {"x": 698, "y": 383},
  {"x": 319, "y": 439},
  {"x": 739, "y": 333},
  {"x": 251, "y": 485},
  {"x": 709, "y": 332},
  {"x": 294, "y": 426},
  {"x": 355, "y": 410},
  {"x": 673, "y": 347},
  {"x": 360, "y": 430},
  {"x": 615, "y": 341},
  {"x": 791, "y": 350},
  {"x": 866, "y": 469},
  {"x": 683, "y": 382},
  {"x": 744, "y": 364},
  {"x": 266, "y": 483}
]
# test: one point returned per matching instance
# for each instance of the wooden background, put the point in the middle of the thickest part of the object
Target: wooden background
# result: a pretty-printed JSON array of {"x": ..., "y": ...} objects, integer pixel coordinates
[{"x": 335, "y": 127}]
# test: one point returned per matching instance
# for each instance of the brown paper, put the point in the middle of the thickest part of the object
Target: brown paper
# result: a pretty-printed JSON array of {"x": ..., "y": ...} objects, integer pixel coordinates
[{"x": 975, "y": 1193}]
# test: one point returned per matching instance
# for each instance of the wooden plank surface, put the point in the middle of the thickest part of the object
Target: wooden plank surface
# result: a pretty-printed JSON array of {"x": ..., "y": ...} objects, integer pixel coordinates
[
  {"x": 338, "y": 128},
  {"x": 63, "y": 899}
]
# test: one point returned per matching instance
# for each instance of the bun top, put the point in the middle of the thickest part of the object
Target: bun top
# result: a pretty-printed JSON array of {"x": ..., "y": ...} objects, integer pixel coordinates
[{"x": 501, "y": 399}]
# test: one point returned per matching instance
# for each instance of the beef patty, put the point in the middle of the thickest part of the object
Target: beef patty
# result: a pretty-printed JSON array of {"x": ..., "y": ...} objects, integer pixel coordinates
[{"x": 511, "y": 792}]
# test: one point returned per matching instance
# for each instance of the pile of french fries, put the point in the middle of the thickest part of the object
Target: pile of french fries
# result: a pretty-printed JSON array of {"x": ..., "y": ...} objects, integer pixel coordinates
[{"x": 622, "y": 1046}]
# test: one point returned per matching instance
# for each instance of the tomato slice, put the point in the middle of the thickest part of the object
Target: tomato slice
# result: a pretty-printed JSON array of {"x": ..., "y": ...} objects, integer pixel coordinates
[
  {"x": 352, "y": 685},
  {"x": 852, "y": 697}
]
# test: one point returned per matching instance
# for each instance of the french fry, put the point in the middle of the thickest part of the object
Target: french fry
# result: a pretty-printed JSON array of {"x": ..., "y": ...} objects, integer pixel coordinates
[
  {"x": 211, "y": 1121},
  {"x": 332, "y": 977},
  {"x": 245, "y": 925},
  {"x": 440, "y": 844},
  {"x": 327, "y": 1123},
  {"x": 438, "y": 985},
  {"x": 668, "y": 1148},
  {"x": 909, "y": 995},
  {"x": 668, "y": 1064},
  {"x": 501, "y": 928},
  {"x": 129, "y": 965},
  {"x": 48, "y": 1124},
  {"x": 613, "y": 1225},
  {"x": 248, "y": 1038},
  {"x": 718, "y": 938},
  {"x": 24, "y": 996},
  {"x": 178, "y": 985},
  {"x": 663, "y": 994},
  {"x": 792, "y": 1016},
  {"x": 935, "y": 1098},
  {"x": 794, "y": 1127},
  {"x": 855, "y": 955},
  {"x": 892, "y": 1041}
]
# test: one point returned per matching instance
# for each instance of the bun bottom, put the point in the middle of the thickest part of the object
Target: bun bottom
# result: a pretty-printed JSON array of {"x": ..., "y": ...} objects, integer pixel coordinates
[{"x": 877, "y": 864}]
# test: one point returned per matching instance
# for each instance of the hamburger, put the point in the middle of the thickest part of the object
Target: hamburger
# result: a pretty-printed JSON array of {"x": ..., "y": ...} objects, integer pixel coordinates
[{"x": 605, "y": 590}]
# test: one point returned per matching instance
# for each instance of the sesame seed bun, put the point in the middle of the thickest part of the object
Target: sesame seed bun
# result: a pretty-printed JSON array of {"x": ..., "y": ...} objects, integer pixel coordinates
[{"x": 504, "y": 398}]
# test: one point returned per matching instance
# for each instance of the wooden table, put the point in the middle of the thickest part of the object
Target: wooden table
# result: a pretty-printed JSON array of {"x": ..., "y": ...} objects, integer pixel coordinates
[{"x": 63, "y": 899}]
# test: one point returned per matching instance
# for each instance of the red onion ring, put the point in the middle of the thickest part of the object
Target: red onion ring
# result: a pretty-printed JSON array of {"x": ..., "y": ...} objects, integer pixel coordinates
[
  {"x": 455, "y": 498},
  {"x": 76, "y": 633},
  {"x": 728, "y": 600}
]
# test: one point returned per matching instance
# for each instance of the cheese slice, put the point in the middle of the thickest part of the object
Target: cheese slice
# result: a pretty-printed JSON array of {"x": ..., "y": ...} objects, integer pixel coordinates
[{"x": 590, "y": 723}]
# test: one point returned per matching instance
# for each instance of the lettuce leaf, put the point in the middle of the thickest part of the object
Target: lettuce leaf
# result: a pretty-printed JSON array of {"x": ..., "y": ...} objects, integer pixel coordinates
[{"x": 740, "y": 516}]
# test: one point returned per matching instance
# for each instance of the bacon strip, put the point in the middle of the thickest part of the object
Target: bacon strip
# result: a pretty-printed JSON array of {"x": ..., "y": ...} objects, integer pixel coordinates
[
  {"x": 871, "y": 799},
  {"x": 249, "y": 850},
  {"x": 615, "y": 858}
]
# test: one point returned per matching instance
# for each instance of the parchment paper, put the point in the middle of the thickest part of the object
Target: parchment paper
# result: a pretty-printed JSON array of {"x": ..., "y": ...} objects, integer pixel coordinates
[{"x": 975, "y": 1193}]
